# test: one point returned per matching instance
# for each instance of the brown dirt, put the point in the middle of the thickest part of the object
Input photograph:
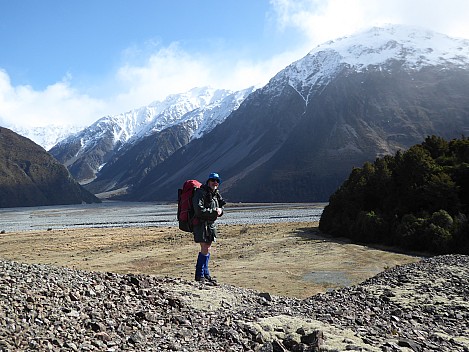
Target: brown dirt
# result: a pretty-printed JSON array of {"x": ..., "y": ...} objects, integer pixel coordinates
[{"x": 290, "y": 259}]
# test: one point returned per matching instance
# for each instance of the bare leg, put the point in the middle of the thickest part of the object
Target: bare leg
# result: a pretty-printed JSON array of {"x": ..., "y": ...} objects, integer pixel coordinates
[{"x": 205, "y": 247}]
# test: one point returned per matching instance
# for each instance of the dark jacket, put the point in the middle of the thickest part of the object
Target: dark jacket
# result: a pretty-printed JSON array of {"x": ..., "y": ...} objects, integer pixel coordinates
[{"x": 205, "y": 203}]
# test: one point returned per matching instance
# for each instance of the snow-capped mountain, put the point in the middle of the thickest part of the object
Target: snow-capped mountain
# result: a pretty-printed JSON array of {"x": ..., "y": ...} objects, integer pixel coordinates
[
  {"x": 198, "y": 110},
  {"x": 413, "y": 47},
  {"x": 201, "y": 108},
  {"x": 346, "y": 102},
  {"x": 47, "y": 136}
]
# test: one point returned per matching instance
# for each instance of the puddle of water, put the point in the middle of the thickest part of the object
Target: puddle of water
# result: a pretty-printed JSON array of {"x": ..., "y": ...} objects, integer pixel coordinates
[{"x": 335, "y": 278}]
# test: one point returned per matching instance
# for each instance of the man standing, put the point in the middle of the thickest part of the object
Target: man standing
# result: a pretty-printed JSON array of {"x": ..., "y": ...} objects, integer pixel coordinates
[{"x": 208, "y": 206}]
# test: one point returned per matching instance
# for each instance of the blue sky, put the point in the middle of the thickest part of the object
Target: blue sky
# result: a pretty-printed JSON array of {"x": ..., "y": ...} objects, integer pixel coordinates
[{"x": 74, "y": 61}]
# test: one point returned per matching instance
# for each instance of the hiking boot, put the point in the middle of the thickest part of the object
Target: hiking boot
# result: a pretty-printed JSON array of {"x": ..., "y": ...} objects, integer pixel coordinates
[
  {"x": 205, "y": 281},
  {"x": 211, "y": 280}
]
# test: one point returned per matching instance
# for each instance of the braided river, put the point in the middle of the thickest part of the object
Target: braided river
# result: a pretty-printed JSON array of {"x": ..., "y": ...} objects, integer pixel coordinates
[{"x": 130, "y": 214}]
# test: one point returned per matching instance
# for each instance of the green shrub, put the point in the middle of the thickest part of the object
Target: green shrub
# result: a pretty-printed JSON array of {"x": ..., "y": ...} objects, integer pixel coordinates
[{"x": 417, "y": 199}]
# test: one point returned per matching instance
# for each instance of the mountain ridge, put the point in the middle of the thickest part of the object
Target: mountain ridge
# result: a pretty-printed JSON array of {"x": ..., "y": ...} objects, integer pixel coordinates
[
  {"x": 198, "y": 110},
  {"x": 314, "y": 121},
  {"x": 30, "y": 176},
  {"x": 347, "y": 101}
]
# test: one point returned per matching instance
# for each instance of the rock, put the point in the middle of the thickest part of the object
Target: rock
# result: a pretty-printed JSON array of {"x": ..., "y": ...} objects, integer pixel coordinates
[
  {"x": 426, "y": 308},
  {"x": 137, "y": 338},
  {"x": 314, "y": 339},
  {"x": 277, "y": 346},
  {"x": 410, "y": 344},
  {"x": 266, "y": 296}
]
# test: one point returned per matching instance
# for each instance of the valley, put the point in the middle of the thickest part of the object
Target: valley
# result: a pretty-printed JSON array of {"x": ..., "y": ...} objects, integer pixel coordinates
[{"x": 290, "y": 258}]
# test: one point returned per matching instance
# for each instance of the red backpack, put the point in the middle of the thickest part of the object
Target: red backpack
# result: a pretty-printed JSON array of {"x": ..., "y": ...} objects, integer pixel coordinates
[{"x": 185, "y": 214}]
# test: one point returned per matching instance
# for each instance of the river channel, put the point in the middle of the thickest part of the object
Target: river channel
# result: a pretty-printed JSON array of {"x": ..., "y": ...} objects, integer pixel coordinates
[{"x": 129, "y": 214}]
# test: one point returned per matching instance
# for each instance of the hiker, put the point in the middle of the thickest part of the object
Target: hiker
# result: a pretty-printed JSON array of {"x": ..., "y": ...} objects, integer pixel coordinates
[{"x": 208, "y": 206}]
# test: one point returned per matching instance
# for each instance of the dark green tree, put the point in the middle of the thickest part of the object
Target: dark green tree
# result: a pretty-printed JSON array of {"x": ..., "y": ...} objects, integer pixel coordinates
[{"x": 417, "y": 199}]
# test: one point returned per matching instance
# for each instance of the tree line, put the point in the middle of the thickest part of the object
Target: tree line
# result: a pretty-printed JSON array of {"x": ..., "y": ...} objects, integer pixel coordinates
[{"x": 417, "y": 199}]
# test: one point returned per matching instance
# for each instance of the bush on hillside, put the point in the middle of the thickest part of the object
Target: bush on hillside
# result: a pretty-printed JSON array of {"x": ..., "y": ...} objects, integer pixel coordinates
[{"x": 417, "y": 199}]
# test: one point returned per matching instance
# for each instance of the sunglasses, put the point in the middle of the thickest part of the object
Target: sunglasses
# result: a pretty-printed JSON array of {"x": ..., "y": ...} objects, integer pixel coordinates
[{"x": 214, "y": 180}]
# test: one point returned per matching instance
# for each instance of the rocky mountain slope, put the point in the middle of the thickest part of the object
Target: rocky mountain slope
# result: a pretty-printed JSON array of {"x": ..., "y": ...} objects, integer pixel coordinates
[
  {"x": 105, "y": 145},
  {"x": 346, "y": 102},
  {"x": 416, "y": 307},
  {"x": 29, "y": 176}
]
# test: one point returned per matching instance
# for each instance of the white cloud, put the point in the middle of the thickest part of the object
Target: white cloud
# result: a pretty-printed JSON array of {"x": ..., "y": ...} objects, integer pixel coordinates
[
  {"x": 57, "y": 104},
  {"x": 167, "y": 71},
  {"x": 152, "y": 72},
  {"x": 322, "y": 20},
  {"x": 173, "y": 70}
]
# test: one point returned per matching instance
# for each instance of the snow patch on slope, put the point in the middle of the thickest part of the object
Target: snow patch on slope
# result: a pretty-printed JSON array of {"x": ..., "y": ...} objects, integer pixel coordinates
[
  {"x": 414, "y": 47},
  {"x": 47, "y": 136}
]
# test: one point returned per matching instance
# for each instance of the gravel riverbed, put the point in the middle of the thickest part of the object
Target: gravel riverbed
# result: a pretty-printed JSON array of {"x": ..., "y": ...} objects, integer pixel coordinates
[
  {"x": 415, "y": 307},
  {"x": 127, "y": 214}
]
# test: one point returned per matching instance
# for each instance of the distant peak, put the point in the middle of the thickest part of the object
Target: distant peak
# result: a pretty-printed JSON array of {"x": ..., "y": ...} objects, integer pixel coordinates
[
  {"x": 411, "y": 46},
  {"x": 416, "y": 46}
]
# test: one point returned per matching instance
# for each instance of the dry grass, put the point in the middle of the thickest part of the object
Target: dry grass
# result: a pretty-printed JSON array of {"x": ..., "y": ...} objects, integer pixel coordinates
[{"x": 291, "y": 259}]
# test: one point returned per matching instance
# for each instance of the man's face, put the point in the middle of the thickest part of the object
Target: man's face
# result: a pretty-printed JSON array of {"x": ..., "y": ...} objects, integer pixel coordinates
[{"x": 213, "y": 183}]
